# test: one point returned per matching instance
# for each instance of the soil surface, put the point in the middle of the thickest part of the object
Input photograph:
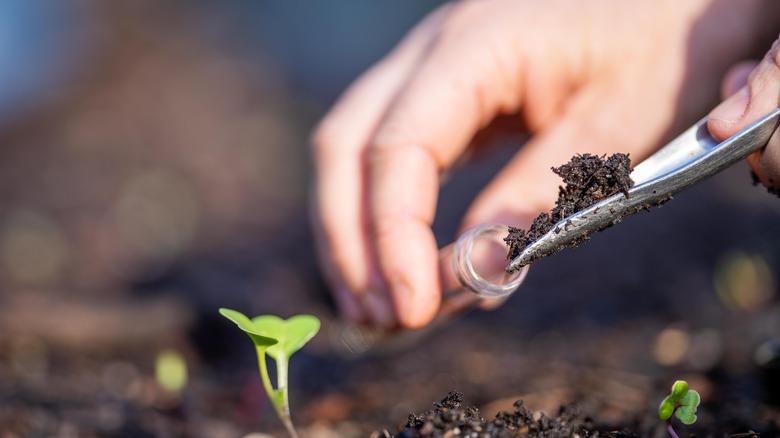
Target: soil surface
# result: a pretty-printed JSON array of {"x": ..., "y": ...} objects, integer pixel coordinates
[
  {"x": 587, "y": 180},
  {"x": 450, "y": 418}
]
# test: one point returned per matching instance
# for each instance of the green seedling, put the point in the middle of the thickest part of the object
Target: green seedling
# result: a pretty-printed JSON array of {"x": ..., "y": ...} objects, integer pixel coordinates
[
  {"x": 681, "y": 403},
  {"x": 279, "y": 339}
]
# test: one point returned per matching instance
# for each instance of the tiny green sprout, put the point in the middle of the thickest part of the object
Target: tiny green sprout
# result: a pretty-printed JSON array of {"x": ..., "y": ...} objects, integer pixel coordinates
[
  {"x": 681, "y": 403},
  {"x": 279, "y": 339}
]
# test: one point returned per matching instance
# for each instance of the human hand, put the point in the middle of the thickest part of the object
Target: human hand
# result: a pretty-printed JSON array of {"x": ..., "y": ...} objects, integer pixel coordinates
[
  {"x": 751, "y": 90},
  {"x": 598, "y": 77}
]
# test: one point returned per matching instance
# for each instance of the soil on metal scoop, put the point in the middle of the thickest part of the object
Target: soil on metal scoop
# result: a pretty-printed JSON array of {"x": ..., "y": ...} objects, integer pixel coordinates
[{"x": 587, "y": 179}]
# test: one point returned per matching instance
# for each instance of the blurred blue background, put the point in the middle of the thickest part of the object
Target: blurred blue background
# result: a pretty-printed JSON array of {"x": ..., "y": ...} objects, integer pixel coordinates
[{"x": 43, "y": 45}]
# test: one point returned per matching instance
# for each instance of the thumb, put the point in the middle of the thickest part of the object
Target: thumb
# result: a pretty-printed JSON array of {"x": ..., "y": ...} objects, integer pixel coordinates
[
  {"x": 736, "y": 94},
  {"x": 759, "y": 94}
]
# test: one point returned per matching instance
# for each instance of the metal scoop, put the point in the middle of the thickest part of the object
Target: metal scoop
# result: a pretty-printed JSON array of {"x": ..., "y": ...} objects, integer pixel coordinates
[{"x": 686, "y": 161}]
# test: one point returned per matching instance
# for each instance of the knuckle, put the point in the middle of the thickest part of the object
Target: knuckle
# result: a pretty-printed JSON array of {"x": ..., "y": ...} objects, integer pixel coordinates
[
  {"x": 396, "y": 129},
  {"x": 767, "y": 72},
  {"x": 774, "y": 54},
  {"x": 388, "y": 227},
  {"x": 394, "y": 138},
  {"x": 401, "y": 136},
  {"x": 770, "y": 62},
  {"x": 402, "y": 150},
  {"x": 384, "y": 228},
  {"x": 376, "y": 156}
]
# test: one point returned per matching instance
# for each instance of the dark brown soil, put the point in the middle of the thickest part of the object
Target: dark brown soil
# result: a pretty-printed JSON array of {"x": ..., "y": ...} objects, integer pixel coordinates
[
  {"x": 450, "y": 418},
  {"x": 588, "y": 179}
]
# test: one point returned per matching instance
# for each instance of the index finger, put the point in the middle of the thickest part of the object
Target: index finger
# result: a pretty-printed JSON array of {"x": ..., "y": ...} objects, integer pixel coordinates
[{"x": 423, "y": 132}]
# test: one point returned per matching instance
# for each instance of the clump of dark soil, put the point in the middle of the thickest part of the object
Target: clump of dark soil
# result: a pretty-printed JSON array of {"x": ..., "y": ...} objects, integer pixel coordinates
[
  {"x": 450, "y": 419},
  {"x": 587, "y": 179},
  {"x": 757, "y": 182}
]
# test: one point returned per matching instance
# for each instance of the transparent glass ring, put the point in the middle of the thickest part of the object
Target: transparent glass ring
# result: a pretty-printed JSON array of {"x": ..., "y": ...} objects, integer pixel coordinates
[{"x": 477, "y": 261}]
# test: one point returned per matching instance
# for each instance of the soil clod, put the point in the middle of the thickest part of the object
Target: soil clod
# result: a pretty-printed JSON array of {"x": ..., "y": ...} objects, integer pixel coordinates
[{"x": 587, "y": 180}]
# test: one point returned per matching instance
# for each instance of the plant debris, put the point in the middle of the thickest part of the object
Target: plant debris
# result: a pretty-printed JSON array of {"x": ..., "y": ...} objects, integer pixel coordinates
[
  {"x": 588, "y": 179},
  {"x": 451, "y": 419}
]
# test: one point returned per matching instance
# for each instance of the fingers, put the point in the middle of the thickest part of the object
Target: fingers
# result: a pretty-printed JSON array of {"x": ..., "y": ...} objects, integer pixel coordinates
[
  {"x": 467, "y": 78},
  {"x": 475, "y": 70},
  {"x": 403, "y": 199},
  {"x": 377, "y": 181},
  {"x": 339, "y": 207},
  {"x": 759, "y": 95}
]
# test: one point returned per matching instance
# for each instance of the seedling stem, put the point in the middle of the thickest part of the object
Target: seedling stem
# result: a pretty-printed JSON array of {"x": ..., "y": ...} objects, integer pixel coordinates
[
  {"x": 681, "y": 403},
  {"x": 279, "y": 339}
]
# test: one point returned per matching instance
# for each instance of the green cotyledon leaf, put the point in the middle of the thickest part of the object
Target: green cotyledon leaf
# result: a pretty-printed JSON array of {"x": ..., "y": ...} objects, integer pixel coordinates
[
  {"x": 686, "y": 414},
  {"x": 679, "y": 389},
  {"x": 691, "y": 398},
  {"x": 292, "y": 333},
  {"x": 666, "y": 409},
  {"x": 245, "y": 324}
]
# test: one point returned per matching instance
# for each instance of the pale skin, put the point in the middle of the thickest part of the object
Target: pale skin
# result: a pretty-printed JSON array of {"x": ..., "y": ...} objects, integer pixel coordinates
[{"x": 577, "y": 76}]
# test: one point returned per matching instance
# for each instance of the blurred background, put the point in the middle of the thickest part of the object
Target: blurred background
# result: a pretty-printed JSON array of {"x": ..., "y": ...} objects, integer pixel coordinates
[{"x": 154, "y": 167}]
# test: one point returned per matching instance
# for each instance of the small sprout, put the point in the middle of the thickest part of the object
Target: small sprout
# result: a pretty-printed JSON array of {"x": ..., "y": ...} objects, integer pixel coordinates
[
  {"x": 278, "y": 338},
  {"x": 681, "y": 403},
  {"x": 170, "y": 370}
]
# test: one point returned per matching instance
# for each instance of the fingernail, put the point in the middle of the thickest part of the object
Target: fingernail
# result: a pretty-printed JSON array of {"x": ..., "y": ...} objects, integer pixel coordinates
[{"x": 731, "y": 109}]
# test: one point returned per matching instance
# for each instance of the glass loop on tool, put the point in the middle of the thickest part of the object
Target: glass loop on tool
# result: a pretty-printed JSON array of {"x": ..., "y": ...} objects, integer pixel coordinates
[{"x": 477, "y": 261}]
